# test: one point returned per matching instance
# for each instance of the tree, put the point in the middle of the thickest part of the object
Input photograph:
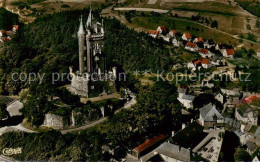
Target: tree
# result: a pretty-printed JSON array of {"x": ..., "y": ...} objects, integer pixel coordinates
[
  {"x": 242, "y": 155},
  {"x": 3, "y": 112},
  {"x": 203, "y": 99},
  {"x": 214, "y": 24}
]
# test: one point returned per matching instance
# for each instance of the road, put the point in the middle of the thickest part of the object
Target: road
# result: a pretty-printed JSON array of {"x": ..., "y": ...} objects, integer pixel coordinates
[
  {"x": 141, "y": 9},
  {"x": 85, "y": 126}
]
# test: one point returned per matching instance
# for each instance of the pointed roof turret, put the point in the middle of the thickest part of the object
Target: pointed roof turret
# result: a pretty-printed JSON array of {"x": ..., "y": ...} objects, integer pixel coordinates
[
  {"x": 81, "y": 27},
  {"x": 89, "y": 21}
]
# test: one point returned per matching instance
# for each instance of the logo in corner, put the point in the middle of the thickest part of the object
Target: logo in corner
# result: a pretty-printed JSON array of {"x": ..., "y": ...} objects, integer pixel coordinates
[{"x": 11, "y": 151}]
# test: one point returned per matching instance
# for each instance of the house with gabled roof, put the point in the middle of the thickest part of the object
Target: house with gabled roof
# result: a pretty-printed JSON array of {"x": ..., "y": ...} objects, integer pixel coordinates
[
  {"x": 15, "y": 28},
  {"x": 205, "y": 53},
  {"x": 186, "y": 36},
  {"x": 198, "y": 40},
  {"x": 229, "y": 53},
  {"x": 186, "y": 100},
  {"x": 171, "y": 152},
  {"x": 148, "y": 146},
  {"x": 245, "y": 114},
  {"x": 205, "y": 63},
  {"x": 153, "y": 33},
  {"x": 251, "y": 147},
  {"x": 173, "y": 33},
  {"x": 209, "y": 44},
  {"x": 162, "y": 30},
  {"x": 191, "y": 46},
  {"x": 210, "y": 117}
]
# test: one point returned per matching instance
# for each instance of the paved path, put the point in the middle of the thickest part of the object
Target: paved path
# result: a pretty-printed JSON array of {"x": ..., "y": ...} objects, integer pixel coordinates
[{"x": 85, "y": 126}]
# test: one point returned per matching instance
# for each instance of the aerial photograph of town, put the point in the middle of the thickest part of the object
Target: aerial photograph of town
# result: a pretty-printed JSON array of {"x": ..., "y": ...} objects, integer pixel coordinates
[{"x": 130, "y": 80}]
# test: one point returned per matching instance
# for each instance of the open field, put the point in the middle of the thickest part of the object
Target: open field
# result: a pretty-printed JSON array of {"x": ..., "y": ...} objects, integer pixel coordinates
[{"x": 231, "y": 18}]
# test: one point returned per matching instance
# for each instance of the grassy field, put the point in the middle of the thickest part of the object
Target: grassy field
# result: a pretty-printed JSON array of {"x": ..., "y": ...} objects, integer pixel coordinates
[{"x": 184, "y": 25}]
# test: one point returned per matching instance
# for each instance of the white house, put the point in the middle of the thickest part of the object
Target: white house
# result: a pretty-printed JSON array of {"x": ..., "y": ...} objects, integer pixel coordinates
[
  {"x": 153, "y": 33},
  {"x": 198, "y": 40},
  {"x": 186, "y": 100},
  {"x": 194, "y": 64},
  {"x": 15, "y": 28},
  {"x": 161, "y": 29},
  {"x": 229, "y": 53},
  {"x": 210, "y": 117},
  {"x": 205, "y": 53},
  {"x": 186, "y": 36},
  {"x": 173, "y": 33},
  {"x": 191, "y": 46},
  {"x": 220, "y": 97},
  {"x": 205, "y": 63},
  {"x": 209, "y": 44},
  {"x": 175, "y": 42},
  {"x": 245, "y": 114}
]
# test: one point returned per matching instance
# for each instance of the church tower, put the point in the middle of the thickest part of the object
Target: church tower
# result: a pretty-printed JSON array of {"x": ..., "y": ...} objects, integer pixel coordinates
[{"x": 81, "y": 40}]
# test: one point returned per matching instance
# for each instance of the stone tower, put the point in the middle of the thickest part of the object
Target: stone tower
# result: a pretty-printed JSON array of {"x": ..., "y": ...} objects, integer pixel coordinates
[
  {"x": 81, "y": 40},
  {"x": 92, "y": 65}
]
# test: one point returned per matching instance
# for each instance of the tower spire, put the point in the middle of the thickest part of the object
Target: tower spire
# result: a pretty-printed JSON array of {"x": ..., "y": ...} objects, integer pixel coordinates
[
  {"x": 81, "y": 27},
  {"x": 89, "y": 21}
]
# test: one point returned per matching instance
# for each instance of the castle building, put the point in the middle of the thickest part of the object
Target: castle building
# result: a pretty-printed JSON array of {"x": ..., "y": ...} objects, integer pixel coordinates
[{"x": 92, "y": 61}]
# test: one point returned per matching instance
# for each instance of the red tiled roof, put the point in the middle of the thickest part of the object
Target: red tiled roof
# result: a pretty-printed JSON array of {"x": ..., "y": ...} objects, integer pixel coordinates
[
  {"x": 205, "y": 51},
  {"x": 16, "y": 27},
  {"x": 197, "y": 62},
  {"x": 187, "y": 35},
  {"x": 230, "y": 51},
  {"x": 199, "y": 39},
  {"x": 163, "y": 28},
  {"x": 149, "y": 143},
  {"x": 154, "y": 32},
  {"x": 251, "y": 98},
  {"x": 204, "y": 61},
  {"x": 190, "y": 44},
  {"x": 174, "y": 31},
  {"x": 2, "y": 31}
]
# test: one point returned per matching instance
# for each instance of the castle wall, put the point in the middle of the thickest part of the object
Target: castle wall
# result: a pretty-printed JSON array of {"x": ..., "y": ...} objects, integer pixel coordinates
[
  {"x": 79, "y": 85},
  {"x": 54, "y": 121}
]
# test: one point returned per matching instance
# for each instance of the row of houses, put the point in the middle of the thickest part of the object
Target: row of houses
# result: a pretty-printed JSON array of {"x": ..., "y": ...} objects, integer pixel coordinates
[{"x": 197, "y": 44}]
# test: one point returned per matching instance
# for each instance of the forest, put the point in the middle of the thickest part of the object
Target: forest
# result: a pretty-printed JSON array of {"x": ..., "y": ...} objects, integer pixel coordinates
[{"x": 50, "y": 45}]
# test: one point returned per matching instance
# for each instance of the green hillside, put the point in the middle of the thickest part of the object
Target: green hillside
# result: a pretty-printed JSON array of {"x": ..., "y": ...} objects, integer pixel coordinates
[{"x": 50, "y": 45}]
